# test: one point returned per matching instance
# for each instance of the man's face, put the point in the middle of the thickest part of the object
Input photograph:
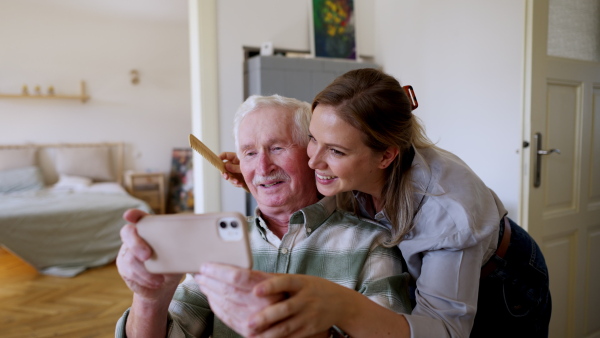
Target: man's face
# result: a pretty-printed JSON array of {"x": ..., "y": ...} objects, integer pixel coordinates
[{"x": 274, "y": 167}]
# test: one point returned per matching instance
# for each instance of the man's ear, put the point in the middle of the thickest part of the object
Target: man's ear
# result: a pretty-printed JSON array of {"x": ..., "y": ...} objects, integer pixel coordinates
[{"x": 388, "y": 157}]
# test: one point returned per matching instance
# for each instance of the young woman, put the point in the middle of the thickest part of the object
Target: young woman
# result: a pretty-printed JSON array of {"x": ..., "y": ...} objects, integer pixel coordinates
[{"x": 475, "y": 271}]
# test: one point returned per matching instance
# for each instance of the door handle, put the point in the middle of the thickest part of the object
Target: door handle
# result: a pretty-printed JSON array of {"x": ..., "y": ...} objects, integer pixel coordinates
[
  {"x": 538, "y": 158},
  {"x": 548, "y": 152}
]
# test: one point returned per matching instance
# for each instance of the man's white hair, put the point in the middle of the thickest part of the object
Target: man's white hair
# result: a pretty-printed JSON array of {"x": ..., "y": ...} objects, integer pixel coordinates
[{"x": 300, "y": 112}]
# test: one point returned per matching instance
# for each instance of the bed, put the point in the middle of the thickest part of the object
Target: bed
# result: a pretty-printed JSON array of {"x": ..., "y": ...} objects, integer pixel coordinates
[{"x": 61, "y": 205}]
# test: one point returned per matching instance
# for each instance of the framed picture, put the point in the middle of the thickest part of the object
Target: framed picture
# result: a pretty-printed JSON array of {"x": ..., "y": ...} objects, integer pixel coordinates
[
  {"x": 181, "y": 182},
  {"x": 333, "y": 29}
]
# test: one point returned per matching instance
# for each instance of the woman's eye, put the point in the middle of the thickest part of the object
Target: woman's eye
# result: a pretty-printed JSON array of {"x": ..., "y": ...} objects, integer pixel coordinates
[
  {"x": 337, "y": 152},
  {"x": 311, "y": 138}
]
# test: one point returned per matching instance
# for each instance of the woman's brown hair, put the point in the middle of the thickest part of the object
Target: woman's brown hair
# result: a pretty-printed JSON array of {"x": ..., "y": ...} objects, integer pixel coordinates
[{"x": 375, "y": 103}]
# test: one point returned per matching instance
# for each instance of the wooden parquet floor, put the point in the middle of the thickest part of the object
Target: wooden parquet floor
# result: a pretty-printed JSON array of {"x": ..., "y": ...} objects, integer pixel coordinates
[{"x": 35, "y": 305}]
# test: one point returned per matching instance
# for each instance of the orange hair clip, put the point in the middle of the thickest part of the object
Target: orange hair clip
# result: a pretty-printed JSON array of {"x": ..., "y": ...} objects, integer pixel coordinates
[{"x": 410, "y": 92}]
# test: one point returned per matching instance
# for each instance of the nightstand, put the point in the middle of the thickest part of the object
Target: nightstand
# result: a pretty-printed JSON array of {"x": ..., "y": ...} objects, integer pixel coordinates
[{"x": 149, "y": 187}]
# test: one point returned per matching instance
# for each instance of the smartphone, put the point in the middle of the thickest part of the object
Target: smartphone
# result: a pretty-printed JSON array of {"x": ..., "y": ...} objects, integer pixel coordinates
[{"x": 183, "y": 242}]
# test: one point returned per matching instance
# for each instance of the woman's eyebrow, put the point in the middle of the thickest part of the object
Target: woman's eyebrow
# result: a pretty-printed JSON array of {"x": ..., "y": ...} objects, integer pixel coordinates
[{"x": 335, "y": 145}]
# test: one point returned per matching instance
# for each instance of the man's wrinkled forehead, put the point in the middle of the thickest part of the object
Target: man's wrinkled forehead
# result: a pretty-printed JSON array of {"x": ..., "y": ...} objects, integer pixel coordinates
[
  {"x": 257, "y": 142},
  {"x": 265, "y": 131}
]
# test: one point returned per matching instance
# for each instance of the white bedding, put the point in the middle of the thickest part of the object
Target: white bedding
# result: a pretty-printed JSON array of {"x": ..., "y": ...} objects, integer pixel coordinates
[{"x": 63, "y": 230}]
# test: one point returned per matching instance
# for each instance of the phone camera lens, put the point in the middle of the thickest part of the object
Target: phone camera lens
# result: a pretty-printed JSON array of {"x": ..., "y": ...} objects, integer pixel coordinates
[
  {"x": 234, "y": 224},
  {"x": 223, "y": 225}
]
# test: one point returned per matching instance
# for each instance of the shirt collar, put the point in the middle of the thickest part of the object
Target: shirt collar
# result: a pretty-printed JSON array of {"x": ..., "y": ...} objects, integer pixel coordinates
[{"x": 311, "y": 217}]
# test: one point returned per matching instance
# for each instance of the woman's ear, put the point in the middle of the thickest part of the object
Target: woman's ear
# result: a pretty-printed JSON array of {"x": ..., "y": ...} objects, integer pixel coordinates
[{"x": 388, "y": 157}]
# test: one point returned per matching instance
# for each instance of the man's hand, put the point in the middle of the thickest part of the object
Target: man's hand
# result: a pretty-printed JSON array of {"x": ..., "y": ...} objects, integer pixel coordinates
[
  {"x": 152, "y": 292},
  {"x": 229, "y": 292},
  {"x": 130, "y": 263}
]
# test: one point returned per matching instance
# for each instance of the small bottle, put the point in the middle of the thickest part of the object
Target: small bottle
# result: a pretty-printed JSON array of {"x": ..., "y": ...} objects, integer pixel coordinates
[
  {"x": 25, "y": 91},
  {"x": 51, "y": 90}
]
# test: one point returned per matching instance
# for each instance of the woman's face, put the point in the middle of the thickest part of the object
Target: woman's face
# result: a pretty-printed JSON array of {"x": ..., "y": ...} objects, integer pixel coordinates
[{"x": 340, "y": 158}]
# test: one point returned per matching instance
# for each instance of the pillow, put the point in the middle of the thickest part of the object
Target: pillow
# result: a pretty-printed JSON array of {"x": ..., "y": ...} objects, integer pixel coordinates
[
  {"x": 91, "y": 162},
  {"x": 21, "y": 179},
  {"x": 66, "y": 182},
  {"x": 17, "y": 158},
  {"x": 107, "y": 188}
]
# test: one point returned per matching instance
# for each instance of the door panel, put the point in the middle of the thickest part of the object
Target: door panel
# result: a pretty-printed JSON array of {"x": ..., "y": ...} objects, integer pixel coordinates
[
  {"x": 564, "y": 208},
  {"x": 559, "y": 170},
  {"x": 563, "y": 213},
  {"x": 561, "y": 265},
  {"x": 594, "y": 154},
  {"x": 592, "y": 306}
]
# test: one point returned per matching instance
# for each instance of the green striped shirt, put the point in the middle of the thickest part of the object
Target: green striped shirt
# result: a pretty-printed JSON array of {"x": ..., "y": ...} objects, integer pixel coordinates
[{"x": 321, "y": 241}]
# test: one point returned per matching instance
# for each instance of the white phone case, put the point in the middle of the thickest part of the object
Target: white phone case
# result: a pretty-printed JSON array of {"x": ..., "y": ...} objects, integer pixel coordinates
[{"x": 182, "y": 242}]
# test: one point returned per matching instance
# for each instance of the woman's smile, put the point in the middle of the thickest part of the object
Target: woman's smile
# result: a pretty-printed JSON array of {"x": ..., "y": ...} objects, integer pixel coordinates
[
  {"x": 323, "y": 179},
  {"x": 340, "y": 158}
]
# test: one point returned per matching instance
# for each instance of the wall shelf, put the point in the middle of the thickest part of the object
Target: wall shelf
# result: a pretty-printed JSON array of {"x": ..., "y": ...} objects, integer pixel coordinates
[{"x": 83, "y": 96}]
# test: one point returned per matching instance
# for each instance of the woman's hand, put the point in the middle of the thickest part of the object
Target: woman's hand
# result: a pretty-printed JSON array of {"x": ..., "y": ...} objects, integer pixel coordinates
[
  {"x": 229, "y": 292},
  {"x": 313, "y": 307},
  {"x": 130, "y": 263},
  {"x": 233, "y": 174},
  {"x": 316, "y": 304}
]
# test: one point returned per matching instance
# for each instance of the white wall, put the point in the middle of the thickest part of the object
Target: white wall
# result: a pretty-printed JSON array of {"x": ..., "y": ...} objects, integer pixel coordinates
[
  {"x": 285, "y": 23},
  {"x": 60, "y": 42},
  {"x": 464, "y": 58}
]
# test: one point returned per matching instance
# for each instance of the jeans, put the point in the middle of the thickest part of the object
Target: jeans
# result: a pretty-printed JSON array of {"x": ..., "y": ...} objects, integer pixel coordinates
[{"x": 514, "y": 300}]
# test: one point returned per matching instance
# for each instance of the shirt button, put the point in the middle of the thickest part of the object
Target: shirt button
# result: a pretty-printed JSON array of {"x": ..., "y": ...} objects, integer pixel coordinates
[
  {"x": 309, "y": 230},
  {"x": 284, "y": 251}
]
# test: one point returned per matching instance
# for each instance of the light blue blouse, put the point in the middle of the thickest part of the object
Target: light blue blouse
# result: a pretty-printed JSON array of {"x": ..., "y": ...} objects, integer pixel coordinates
[{"x": 455, "y": 233}]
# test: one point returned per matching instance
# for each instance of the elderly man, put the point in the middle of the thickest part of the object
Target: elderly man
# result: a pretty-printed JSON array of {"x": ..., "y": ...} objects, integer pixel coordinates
[{"x": 293, "y": 232}]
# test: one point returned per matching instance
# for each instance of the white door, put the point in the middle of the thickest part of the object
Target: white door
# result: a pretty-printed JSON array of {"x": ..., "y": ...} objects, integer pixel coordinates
[{"x": 562, "y": 202}]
